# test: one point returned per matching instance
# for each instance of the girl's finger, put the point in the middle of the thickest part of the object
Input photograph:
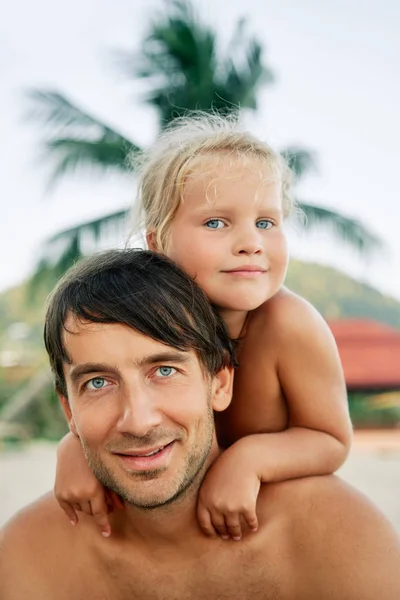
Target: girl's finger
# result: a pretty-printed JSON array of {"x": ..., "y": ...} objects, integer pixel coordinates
[
  {"x": 86, "y": 508},
  {"x": 218, "y": 521},
  {"x": 69, "y": 511},
  {"x": 205, "y": 522},
  {"x": 250, "y": 517},
  {"x": 233, "y": 526},
  {"x": 100, "y": 513}
]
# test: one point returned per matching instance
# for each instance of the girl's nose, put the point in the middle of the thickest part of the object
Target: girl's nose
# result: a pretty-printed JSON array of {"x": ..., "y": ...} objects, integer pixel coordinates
[{"x": 248, "y": 242}]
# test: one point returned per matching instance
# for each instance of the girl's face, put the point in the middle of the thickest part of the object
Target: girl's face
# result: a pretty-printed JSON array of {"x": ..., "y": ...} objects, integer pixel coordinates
[{"x": 228, "y": 233}]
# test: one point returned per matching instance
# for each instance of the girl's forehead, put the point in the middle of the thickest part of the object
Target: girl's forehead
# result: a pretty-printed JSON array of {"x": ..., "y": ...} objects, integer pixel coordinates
[
  {"x": 212, "y": 177},
  {"x": 224, "y": 165}
]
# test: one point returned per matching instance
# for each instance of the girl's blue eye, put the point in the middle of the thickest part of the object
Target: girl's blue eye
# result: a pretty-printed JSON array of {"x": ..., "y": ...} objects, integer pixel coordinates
[
  {"x": 215, "y": 224},
  {"x": 96, "y": 383},
  {"x": 166, "y": 371},
  {"x": 264, "y": 224}
]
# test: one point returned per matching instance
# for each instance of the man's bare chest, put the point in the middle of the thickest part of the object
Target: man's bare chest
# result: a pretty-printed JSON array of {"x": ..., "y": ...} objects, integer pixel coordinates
[{"x": 233, "y": 576}]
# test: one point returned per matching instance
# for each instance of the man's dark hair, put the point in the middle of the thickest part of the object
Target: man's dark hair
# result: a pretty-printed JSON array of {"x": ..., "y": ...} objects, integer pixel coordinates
[{"x": 143, "y": 290}]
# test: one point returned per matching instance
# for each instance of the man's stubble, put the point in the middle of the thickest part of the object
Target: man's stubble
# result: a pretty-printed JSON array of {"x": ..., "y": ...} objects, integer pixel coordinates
[{"x": 137, "y": 492}]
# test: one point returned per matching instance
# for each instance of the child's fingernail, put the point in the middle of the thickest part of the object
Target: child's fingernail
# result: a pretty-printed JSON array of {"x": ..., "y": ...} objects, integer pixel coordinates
[
  {"x": 105, "y": 533},
  {"x": 72, "y": 522},
  {"x": 225, "y": 537},
  {"x": 237, "y": 538},
  {"x": 254, "y": 529}
]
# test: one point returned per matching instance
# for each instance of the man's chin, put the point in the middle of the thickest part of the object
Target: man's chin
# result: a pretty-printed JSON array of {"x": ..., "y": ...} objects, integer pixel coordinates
[
  {"x": 151, "y": 500},
  {"x": 150, "y": 490},
  {"x": 142, "y": 489}
]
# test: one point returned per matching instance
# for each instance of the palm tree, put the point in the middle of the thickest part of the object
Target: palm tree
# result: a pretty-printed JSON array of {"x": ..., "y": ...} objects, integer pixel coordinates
[{"x": 184, "y": 71}]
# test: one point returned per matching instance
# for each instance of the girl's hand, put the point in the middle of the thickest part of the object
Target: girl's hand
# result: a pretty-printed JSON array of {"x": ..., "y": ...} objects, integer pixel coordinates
[
  {"x": 228, "y": 495},
  {"x": 77, "y": 489}
]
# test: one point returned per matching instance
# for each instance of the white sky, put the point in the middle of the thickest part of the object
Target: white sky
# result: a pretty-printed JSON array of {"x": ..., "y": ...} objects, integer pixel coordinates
[{"x": 337, "y": 93}]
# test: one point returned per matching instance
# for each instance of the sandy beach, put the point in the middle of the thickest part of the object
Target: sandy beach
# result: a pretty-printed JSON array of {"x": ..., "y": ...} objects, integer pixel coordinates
[{"x": 373, "y": 467}]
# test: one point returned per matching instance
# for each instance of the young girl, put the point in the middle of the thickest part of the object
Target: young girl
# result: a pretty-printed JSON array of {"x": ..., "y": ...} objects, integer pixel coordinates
[{"x": 214, "y": 200}]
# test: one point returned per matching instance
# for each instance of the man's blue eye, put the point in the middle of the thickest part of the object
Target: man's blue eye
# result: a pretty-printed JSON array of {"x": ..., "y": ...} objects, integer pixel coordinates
[
  {"x": 96, "y": 383},
  {"x": 264, "y": 224},
  {"x": 166, "y": 371},
  {"x": 215, "y": 224}
]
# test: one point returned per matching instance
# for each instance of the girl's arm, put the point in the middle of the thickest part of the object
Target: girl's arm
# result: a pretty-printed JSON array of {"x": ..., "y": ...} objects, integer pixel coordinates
[
  {"x": 319, "y": 435},
  {"x": 77, "y": 489},
  {"x": 311, "y": 377}
]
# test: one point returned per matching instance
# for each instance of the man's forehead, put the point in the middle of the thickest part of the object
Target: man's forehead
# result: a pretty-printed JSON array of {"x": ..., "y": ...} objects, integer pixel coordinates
[{"x": 115, "y": 343}]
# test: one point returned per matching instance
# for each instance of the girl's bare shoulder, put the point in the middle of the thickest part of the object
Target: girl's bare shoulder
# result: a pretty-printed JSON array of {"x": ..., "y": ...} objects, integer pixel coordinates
[{"x": 284, "y": 313}]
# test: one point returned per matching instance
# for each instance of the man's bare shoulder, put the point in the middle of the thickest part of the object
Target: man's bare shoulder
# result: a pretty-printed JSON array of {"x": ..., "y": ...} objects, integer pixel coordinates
[
  {"x": 323, "y": 495},
  {"x": 42, "y": 519},
  {"x": 32, "y": 544},
  {"x": 335, "y": 537}
]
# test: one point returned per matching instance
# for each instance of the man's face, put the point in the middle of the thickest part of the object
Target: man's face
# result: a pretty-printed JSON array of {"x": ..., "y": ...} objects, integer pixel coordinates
[{"x": 143, "y": 410}]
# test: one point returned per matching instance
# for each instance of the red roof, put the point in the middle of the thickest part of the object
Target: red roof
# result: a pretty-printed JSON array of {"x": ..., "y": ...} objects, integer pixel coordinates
[{"x": 370, "y": 353}]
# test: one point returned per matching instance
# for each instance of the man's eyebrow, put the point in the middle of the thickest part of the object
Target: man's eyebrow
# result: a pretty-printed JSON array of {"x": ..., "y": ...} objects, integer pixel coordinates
[
  {"x": 87, "y": 368},
  {"x": 164, "y": 357}
]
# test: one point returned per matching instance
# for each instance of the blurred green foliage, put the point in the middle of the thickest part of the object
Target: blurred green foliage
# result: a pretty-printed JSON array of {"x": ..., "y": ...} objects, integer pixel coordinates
[{"x": 364, "y": 414}]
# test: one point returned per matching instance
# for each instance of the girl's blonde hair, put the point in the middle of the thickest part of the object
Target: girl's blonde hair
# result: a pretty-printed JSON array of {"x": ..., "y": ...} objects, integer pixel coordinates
[{"x": 163, "y": 168}]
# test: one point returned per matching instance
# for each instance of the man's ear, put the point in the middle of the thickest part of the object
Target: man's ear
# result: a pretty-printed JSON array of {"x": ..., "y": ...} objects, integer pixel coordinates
[
  {"x": 151, "y": 241},
  {"x": 67, "y": 412},
  {"x": 222, "y": 389}
]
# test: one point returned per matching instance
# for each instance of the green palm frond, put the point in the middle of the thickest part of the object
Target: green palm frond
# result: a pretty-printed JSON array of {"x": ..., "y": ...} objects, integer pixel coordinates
[
  {"x": 76, "y": 139},
  {"x": 244, "y": 73},
  {"x": 95, "y": 227},
  {"x": 347, "y": 230},
  {"x": 56, "y": 111},
  {"x": 66, "y": 247},
  {"x": 179, "y": 59},
  {"x": 102, "y": 155},
  {"x": 300, "y": 160}
]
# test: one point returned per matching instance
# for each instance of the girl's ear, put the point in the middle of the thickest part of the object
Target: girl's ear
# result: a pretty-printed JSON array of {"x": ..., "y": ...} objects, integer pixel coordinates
[
  {"x": 151, "y": 240},
  {"x": 222, "y": 389}
]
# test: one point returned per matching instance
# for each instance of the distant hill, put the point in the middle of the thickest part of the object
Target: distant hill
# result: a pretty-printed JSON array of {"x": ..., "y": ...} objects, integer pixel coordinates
[{"x": 334, "y": 294}]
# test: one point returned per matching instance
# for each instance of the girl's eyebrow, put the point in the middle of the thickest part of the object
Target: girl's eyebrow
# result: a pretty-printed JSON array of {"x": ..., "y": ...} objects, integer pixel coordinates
[{"x": 207, "y": 209}]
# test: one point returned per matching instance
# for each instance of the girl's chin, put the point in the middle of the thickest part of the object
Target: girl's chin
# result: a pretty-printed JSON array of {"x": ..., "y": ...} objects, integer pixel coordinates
[
  {"x": 238, "y": 303},
  {"x": 239, "y": 307}
]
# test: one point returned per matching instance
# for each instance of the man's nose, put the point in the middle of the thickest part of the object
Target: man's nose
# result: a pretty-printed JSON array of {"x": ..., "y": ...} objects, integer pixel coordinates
[
  {"x": 139, "y": 413},
  {"x": 248, "y": 241}
]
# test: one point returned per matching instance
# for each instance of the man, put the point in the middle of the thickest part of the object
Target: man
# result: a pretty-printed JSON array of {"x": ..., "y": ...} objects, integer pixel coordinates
[{"x": 140, "y": 363}]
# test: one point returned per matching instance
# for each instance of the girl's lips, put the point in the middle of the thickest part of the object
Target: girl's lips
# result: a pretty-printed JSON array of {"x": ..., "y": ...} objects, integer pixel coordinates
[
  {"x": 147, "y": 463},
  {"x": 247, "y": 273}
]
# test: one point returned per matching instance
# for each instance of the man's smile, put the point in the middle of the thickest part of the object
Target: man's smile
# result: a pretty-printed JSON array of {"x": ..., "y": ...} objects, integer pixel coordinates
[{"x": 146, "y": 459}]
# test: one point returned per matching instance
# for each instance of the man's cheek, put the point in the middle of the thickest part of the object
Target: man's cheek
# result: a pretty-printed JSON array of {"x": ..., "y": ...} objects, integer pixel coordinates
[{"x": 92, "y": 430}]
